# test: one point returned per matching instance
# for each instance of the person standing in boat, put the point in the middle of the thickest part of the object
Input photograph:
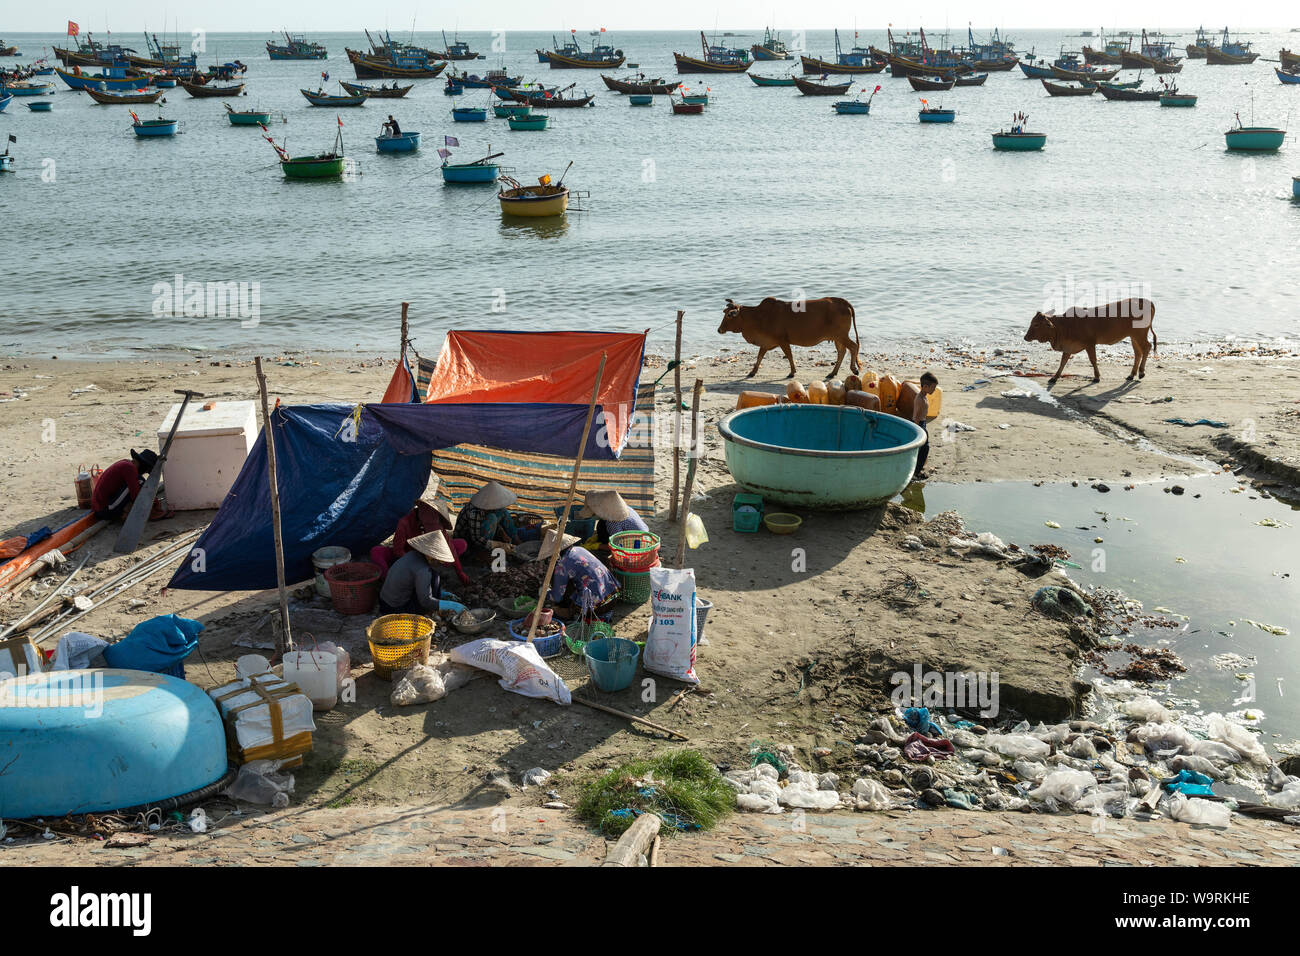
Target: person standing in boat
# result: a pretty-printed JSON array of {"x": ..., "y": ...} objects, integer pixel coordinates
[
  {"x": 393, "y": 128},
  {"x": 612, "y": 514},
  {"x": 116, "y": 489}
]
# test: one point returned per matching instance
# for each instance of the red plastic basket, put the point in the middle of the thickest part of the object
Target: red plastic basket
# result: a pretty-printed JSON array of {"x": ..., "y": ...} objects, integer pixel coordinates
[
  {"x": 634, "y": 550},
  {"x": 354, "y": 586}
]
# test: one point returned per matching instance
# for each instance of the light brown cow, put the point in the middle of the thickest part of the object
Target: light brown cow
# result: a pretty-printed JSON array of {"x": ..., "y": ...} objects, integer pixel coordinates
[
  {"x": 1082, "y": 330},
  {"x": 774, "y": 324}
]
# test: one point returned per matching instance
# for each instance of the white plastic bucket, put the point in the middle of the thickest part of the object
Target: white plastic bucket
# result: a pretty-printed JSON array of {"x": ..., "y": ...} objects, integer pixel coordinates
[
  {"x": 325, "y": 558},
  {"x": 316, "y": 674}
]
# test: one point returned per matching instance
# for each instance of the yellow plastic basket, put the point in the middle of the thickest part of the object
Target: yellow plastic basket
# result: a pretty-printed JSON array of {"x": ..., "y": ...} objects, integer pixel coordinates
[{"x": 397, "y": 641}]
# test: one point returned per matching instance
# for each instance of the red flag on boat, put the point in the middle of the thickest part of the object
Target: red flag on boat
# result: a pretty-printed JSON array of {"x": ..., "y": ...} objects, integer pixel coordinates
[
  {"x": 73, "y": 29},
  {"x": 340, "y": 119},
  {"x": 876, "y": 90}
]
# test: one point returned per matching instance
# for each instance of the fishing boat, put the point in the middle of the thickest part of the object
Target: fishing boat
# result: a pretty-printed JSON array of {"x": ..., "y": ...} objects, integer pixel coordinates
[
  {"x": 995, "y": 56},
  {"x": 392, "y": 92},
  {"x": 544, "y": 199},
  {"x": 716, "y": 60},
  {"x": 40, "y": 106},
  {"x": 822, "y": 88},
  {"x": 1230, "y": 53},
  {"x": 1169, "y": 96},
  {"x": 640, "y": 99},
  {"x": 480, "y": 171},
  {"x": 856, "y": 60},
  {"x": 1083, "y": 73},
  {"x": 154, "y": 127},
  {"x": 321, "y": 98},
  {"x": 552, "y": 98},
  {"x": 1290, "y": 61},
  {"x": 163, "y": 82},
  {"x": 1153, "y": 55},
  {"x": 641, "y": 84},
  {"x": 488, "y": 81},
  {"x": 1295, "y": 186},
  {"x": 1065, "y": 89},
  {"x": 533, "y": 122},
  {"x": 1019, "y": 142},
  {"x": 573, "y": 57},
  {"x": 686, "y": 109},
  {"x": 110, "y": 79},
  {"x": 453, "y": 89},
  {"x": 469, "y": 114},
  {"x": 701, "y": 98},
  {"x": 1197, "y": 50},
  {"x": 164, "y": 56},
  {"x": 8, "y": 50},
  {"x": 506, "y": 110},
  {"x": 398, "y": 67},
  {"x": 917, "y": 58},
  {"x": 935, "y": 114},
  {"x": 1124, "y": 94},
  {"x": 295, "y": 48},
  {"x": 246, "y": 117},
  {"x": 387, "y": 142},
  {"x": 852, "y": 107},
  {"x": 321, "y": 166},
  {"x": 91, "y": 52},
  {"x": 26, "y": 88},
  {"x": 207, "y": 90},
  {"x": 457, "y": 49},
  {"x": 931, "y": 84},
  {"x": 970, "y": 79},
  {"x": 1037, "y": 71},
  {"x": 772, "y": 47},
  {"x": 760, "y": 80},
  {"x": 109, "y": 98},
  {"x": 5, "y": 100},
  {"x": 1288, "y": 77},
  {"x": 1259, "y": 139},
  {"x": 6, "y": 162}
]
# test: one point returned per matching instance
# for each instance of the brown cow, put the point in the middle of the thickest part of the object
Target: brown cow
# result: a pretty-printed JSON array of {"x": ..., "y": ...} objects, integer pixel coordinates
[
  {"x": 773, "y": 324},
  {"x": 1082, "y": 330}
]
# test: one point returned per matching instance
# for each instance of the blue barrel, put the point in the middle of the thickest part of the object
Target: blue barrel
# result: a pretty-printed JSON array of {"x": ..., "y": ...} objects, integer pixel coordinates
[{"x": 91, "y": 740}]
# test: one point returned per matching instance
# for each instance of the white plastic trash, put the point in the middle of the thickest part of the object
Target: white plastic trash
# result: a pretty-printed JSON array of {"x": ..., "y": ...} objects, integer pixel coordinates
[
  {"x": 251, "y": 664},
  {"x": 316, "y": 674}
]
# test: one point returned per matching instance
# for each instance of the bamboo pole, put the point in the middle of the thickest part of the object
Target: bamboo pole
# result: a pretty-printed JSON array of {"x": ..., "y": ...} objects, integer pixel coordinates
[
  {"x": 677, "y": 417},
  {"x": 632, "y": 717},
  {"x": 283, "y": 640},
  {"x": 405, "y": 306},
  {"x": 690, "y": 471},
  {"x": 10, "y": 589},
  {"x": 568, "y": 504}
]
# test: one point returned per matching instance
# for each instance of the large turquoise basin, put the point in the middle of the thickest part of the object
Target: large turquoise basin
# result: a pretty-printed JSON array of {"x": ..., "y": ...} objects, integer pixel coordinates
[
  {"x": 820, "y": 456},
  {"x": 89, "y": 740}
]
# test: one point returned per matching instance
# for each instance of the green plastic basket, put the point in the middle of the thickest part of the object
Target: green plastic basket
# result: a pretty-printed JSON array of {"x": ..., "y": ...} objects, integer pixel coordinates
[
  {"x": 633, "y": 586},
  {"x": 584, "y": 631}
]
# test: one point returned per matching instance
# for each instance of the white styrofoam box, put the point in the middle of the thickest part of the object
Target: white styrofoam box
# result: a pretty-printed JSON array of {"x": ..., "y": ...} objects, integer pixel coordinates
[{"x": 207, "y": 453}]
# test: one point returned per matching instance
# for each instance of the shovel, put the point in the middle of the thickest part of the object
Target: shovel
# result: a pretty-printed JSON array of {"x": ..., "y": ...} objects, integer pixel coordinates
[{"x": 129, "y": 536}]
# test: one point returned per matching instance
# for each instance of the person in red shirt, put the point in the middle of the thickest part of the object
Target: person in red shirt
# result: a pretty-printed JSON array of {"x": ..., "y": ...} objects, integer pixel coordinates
[
  {"x": 422, "y": 519},
  {"x": 119, "y": 484}
]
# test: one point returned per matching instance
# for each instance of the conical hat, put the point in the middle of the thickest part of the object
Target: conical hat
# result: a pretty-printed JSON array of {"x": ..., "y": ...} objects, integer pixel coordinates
[
  {"x": 439, "y": 505},
  {"x": 492, "y": 496},
  {"x": 548, "y": 544},
  {"x": 434, "y": 546},
  {"x": 605, "y": 505}
]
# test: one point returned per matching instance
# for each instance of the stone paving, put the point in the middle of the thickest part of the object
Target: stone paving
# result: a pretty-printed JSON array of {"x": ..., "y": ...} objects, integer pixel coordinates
[{"x": 513, "y": 835}]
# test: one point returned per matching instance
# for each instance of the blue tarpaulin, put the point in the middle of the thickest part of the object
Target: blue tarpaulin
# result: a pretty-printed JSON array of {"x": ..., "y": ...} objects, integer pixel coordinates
[{"x": 346, "y": 485}]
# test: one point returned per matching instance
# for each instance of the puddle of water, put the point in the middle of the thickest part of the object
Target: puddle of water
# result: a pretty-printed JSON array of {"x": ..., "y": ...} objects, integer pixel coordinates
[{"x": 1234, "y": 570}]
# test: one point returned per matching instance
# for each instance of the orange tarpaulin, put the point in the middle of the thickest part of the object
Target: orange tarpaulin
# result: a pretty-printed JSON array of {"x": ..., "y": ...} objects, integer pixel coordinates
[
  {"x": 552, "y": 368},
  {"x": 61, "y": 537}
]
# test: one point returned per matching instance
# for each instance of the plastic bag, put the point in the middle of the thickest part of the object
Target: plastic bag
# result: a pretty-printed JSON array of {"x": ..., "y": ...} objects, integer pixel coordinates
[
  {"x": 1029, "y": 770},
  {"x": 1239, "y": 739},
  {"x": 259, "y": 781},
  {"x": 425, "y": 683},
  {"x": 1288, "y": 798},
  {"x": 1194, "y": 810},
  {"x": 1064, "y": 786},
  {"x": 1146, "y": 710},
  {"x": 520, "y": 667},
  {"x": 696, "y": 534},
  {"x": 1017, "y": 745},
  {"x": 670, "y": 646},
  {"x": 868, "y": 794}
]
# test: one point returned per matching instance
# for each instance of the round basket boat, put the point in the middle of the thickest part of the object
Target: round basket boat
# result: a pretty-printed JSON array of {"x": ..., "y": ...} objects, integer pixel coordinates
[
  {"x": 85, "y": 741},
  {"x": 820, "y": 456}
]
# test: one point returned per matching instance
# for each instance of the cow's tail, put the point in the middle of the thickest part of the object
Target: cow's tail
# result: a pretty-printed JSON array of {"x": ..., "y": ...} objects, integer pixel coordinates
[
  {"x": 1155, "y": 343},
  {"x": 854, "y": 316}
]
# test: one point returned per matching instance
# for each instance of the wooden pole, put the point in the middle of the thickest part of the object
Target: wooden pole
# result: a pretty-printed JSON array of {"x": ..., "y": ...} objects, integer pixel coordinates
[
  {"x": 632, "y": 717},
  {"x": 690, "y": 471},
  {"x": 677, "y": 417},
  {"x": 284, "y": 640},
  {"x": 405, "y": 306},
  {"x": 635, "y": 841},
  {"x": 568, "y": 504}
]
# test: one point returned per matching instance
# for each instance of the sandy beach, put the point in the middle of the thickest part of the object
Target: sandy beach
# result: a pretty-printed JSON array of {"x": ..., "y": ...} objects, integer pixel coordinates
[{"x": 798, "y": 657}]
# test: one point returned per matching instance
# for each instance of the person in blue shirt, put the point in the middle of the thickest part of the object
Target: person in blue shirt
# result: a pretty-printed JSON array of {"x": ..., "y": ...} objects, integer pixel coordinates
[{"x": 613, "y": 514}]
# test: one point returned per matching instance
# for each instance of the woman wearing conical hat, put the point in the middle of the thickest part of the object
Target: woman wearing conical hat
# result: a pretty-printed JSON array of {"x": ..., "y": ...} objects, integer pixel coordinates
[
  {"x": 423, "y": 518},
  {"x": 486, "y": 520},
  {"x": 414, "y": 583},
  {"x": 613, "y": 514},
  {"x": 580, "y": 579}
]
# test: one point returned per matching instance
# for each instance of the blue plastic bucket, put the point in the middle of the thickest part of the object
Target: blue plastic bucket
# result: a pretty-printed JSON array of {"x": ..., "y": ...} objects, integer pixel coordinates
[{"x": 610, "y": 675}]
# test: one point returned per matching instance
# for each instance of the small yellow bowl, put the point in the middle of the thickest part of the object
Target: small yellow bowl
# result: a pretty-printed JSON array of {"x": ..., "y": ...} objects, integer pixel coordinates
[{"x": 778, "y": 522}]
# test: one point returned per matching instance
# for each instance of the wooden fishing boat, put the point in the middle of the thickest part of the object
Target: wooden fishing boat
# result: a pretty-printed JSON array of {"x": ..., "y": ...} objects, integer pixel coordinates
[
  {"x": 934, "y": 114},
  {"x": 1152, "y": 55},
  {"x": 772, "y": 47},
  {"x": 8, "y": 50},
  {"x": 1258, "y": 139},
  {"x": 110, "y": 98},
  {"x": 457, "y": 49},
  {"x": 640, "y": 99},
  {"x": 544, "y": 199},
  {"x": 1062, "y": 89},
  {"x": 80, "y": 81},
  {"x": 506, "y": 110},
  {"x": 321, "y": 98},
  {"x": 687, "y": 109},
  {"x": 573, "y": 57},
  {"x": 855, "y": 61},
  {"x": 815, "y": 88},
  {"x": 155, "y": 127},
  {"x": 377, "y": 92},
  {"x": 370, "y": 67},
  {"x": 931, "y": 84},
  {"x": 1288, "y": 77},
  {"x": 246, "y": 117},
  {"x": 1037, "y": 71},
  {"x": 40, "y": 106},
  {"x": 552, "y": 98},
  {"x": 295, "y": 48},
  {"x": 469, "y": 114},
  {"x": 760, "y": 80},
  {"x": 1230, "y": 52},
  {"x": 488, "y": 81},
  {"x": 971, "y": 79},
  {"x": 1019, "y": 142},
  {"x": 1197, "y": 50},
  {"x": 640, "y": 84},
  {"x": 1002, "y": 65},
  {"x": 533, "y": 122},
  {"x": 401, "y": 143},
  {"x": 1083, "y": 75},
  {"x": 1128, "y": 95},
  {"x": 715, "y": 60},
  {"x": 1164, "y": 67},
  {"x": 207, "y": 90},
  {"x": 164, "y": 56},
  {"x": 26, "y": 88}
]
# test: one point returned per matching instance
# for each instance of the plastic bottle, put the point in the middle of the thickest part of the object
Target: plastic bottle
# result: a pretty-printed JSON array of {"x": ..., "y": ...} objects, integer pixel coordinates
[{"x": 817, "y": 392}]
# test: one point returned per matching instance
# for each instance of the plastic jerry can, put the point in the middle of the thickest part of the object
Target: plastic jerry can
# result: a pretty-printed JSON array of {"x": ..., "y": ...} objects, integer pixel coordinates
[
  {"x": 906, "y": 402},
  {"x": 817, "y": 392},
  {"x": 755, "y": 399},
  {"x": 887, "y": 389},
  {"x": 795, "y": 392},
  {"x": 835, "y": 393},
  {"x": 867, "y": 400}
]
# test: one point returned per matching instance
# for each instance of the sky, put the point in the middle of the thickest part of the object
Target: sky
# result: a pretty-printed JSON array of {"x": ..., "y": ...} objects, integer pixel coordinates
[{"x": 125, "y": 16}]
